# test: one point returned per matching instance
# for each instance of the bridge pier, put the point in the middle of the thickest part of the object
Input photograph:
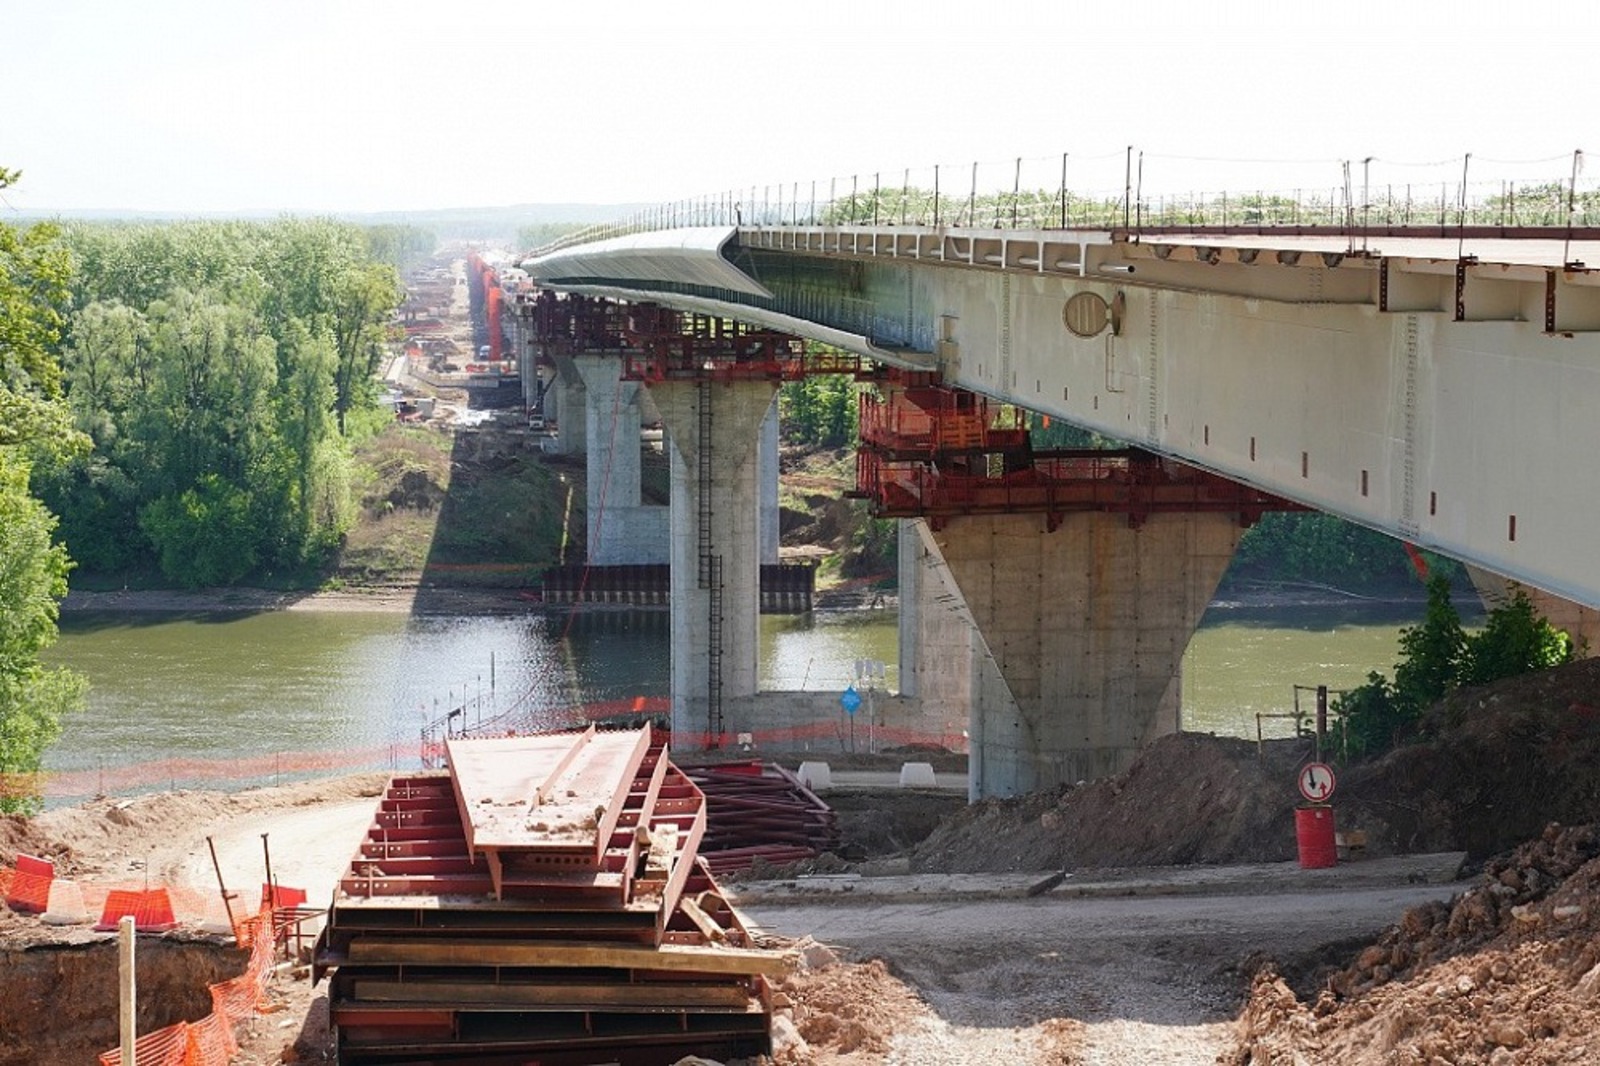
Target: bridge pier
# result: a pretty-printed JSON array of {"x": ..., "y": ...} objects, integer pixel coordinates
[
  {"x": 715, "y": 549},
  {"x": 620, "y": 529},
  {"x": 768, "y": 484},
  {"x": 1086, "y": 625},
  {"x": 568, "y": 392}
]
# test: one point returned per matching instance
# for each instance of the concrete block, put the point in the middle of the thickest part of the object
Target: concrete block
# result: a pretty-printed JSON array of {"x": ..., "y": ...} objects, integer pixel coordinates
[
  {"x": 66, "y": 905},
  {"x": 917, "y": 775},
  {"x": 815, "y": 775}
]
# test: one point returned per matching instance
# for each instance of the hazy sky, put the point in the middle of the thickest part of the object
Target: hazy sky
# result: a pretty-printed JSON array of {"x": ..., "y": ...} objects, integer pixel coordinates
[{"x": 201, "y": 105}]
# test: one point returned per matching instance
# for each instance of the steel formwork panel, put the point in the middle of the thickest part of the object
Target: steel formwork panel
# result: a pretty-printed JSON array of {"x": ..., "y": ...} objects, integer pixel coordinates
[
  {"x": 623, "y": 943},
  {"x": 545, "y": 799}
]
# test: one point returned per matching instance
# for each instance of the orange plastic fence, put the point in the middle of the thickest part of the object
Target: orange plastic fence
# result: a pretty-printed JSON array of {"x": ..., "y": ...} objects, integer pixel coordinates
[
  {"x": 190, "y": 773},
  {"x": 28, "y": 889},
  {"x": 71, "y": 786},
  {"x": 210, "y": 1041},
  {"x": 151, "y": 910}
]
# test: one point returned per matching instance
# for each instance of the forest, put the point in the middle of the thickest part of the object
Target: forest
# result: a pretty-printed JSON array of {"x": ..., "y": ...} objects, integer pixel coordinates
[{"x": 219, "y": 370}]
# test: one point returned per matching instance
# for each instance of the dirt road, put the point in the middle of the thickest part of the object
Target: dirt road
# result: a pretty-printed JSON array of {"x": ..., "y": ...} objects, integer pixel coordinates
[{"x": 1149, "y": 976}]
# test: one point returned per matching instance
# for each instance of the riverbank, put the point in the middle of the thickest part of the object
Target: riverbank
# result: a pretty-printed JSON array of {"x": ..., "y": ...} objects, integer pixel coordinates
[
  {"x": 488, "y": 600},
  {"x": 397, "y": 599}
]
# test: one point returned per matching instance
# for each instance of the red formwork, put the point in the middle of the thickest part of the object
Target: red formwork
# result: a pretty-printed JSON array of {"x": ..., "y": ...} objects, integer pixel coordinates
[
  {"x": 603, "y": 933},
  {"x": 1130, "y": 482},
  {"x": 761, "y": 811}
]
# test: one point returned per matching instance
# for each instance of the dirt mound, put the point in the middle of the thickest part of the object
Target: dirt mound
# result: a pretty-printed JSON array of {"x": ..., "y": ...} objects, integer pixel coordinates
[
  {"x": 1502, "y": 761},
  {"x": 1190, "y": 798},
  {"x": 1509, "y": 972},
  {"x": 849, "y": 1007}
]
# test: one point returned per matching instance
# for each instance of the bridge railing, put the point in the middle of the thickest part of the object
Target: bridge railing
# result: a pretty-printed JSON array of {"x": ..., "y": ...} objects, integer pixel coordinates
[{"x": 1149, "y": 193}]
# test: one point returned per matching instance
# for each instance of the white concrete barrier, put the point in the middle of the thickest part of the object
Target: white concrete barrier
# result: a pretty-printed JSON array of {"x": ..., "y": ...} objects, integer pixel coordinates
[
  {"x": 917, "y": 775},
  {"x": 66, "y": 906},
  {"x": 815, "y": 775}
]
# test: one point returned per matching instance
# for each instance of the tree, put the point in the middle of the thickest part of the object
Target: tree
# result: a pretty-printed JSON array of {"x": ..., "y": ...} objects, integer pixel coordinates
[
  {"x": 1437, "y": 657},
  {"x": 1515, "y": 640},
  {"x": 33, "y": 568},
  {"x": 363, "y": 300},
  {"x": 1430, "y": 653},
  {"x": 33, "y": 578}
]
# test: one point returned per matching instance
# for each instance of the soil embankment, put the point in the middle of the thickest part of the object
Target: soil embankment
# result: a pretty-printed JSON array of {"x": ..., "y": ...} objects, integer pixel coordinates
[{"x": 1504, "y": 760}]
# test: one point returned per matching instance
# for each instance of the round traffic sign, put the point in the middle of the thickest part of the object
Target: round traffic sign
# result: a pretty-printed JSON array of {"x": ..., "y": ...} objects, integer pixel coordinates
[{"x": 1316, "y": 781}]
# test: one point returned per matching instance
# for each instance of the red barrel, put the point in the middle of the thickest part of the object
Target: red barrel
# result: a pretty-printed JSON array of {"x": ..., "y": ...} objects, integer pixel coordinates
[{"x": 1313, "y": 831}]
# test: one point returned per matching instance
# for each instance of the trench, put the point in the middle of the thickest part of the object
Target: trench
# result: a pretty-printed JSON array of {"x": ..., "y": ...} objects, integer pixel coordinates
[{"x": 58, "y": 1002}]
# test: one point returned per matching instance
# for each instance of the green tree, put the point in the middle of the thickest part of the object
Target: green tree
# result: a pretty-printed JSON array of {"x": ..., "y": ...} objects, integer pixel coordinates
[
  {"x": 362, "y": 301},
  {"x": 204, "y": 360},
  {"x": 1430, "y": 653},
  {"x": 1515, "y": 639},
  {"x": 1438, "y": 656},
  {"x": 33, "y": 568}
]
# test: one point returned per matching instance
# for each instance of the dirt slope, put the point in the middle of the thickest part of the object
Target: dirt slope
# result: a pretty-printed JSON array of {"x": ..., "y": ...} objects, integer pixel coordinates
[{"x": 1507, "y": 759}]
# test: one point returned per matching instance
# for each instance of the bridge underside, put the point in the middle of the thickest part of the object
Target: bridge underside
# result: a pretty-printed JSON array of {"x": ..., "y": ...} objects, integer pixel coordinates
[{"x": 1424, "y": 386}]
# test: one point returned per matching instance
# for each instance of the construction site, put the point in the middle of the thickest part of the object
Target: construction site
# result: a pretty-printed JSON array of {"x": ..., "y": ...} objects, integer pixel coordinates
[
  {"x": 582, "y": 898},
  {"x": 603, "y": 896}
]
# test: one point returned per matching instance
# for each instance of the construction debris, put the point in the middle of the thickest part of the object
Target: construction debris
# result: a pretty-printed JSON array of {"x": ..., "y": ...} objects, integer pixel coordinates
[{"x": 545, "y": 898}]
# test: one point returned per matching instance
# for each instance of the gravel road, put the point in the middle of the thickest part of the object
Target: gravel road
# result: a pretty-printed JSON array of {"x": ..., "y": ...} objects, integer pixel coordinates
[{"x": 1151, "y": 977}]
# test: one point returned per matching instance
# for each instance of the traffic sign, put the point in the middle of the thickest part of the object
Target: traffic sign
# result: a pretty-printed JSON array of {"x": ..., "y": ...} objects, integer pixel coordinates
[
  {"x": 1316, "y": 781},
  {"x": 850, "y": 700}
]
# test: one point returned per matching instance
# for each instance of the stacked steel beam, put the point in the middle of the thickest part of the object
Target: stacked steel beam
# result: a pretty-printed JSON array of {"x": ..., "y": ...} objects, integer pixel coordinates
[
  {"x": 761, "y": 811},
  {"x": 545, "y": 901}
]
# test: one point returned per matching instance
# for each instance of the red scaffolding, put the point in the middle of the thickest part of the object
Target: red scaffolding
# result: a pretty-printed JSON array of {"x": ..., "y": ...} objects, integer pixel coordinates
[{"x": 932, "y": 451}]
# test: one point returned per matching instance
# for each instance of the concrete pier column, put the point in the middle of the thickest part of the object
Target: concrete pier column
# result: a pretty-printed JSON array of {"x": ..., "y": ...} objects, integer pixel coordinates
[
  {"x": 769, "y": 484},
  {"x": 1581, "y": 623},
  {"x": 527, "y": 358},
  {"x": 570, "y": 407},
  {"x": 1087, "y": 625},
  {"x": 611, "y": 412},
  {"x": 715, "y": 548}
]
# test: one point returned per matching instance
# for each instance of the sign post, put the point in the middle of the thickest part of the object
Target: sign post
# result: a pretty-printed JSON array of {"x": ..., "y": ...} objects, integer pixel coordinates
[
  {"x": 1316, "y": 782},
  {"x": 850, "y": 700}
]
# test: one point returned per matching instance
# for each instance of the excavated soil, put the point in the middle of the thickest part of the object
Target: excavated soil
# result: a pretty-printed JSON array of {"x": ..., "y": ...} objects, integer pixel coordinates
[
  {"x": 59, "y": 1001},
  {"x": 1508, "y": 973},
  {"x": 1505, "y": 760}
]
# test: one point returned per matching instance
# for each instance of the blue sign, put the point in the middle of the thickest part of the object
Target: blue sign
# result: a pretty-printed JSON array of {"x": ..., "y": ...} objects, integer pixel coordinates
[{"x": 850, "y": 700}]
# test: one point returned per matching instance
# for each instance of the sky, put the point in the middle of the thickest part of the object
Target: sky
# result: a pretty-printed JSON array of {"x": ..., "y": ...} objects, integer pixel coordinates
[{"x": 350, "y": 105}]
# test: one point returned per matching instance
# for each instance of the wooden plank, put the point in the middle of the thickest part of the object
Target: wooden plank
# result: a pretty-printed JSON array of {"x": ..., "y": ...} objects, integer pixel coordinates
[
  {"x": 703, "y": 921},
  {"x": 441, "y": 951},
  {"x": 682, "y": 996}
]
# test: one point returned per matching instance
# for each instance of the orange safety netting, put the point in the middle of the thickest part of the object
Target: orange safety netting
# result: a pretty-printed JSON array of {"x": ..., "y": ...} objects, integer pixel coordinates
[
  {"x": 210, "y": 1041},
  {"x": 280, "y": 767},
  {"x": 175, "y": 773}
]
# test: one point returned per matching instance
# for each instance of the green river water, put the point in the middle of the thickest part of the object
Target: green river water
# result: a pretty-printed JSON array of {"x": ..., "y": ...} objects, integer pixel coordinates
[{"x": 228, "y": 687}]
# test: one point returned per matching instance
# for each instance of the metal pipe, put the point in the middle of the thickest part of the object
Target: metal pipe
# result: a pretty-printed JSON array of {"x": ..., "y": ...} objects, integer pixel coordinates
[{"x": 227, "y": 898}]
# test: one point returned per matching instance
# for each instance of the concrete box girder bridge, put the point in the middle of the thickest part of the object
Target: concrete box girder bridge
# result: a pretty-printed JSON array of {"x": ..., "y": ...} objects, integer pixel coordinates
[{"x": 1437, "y": 384}]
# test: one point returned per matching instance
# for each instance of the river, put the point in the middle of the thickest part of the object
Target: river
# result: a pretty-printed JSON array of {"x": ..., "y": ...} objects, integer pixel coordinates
[{"x": 353, "y": 687}]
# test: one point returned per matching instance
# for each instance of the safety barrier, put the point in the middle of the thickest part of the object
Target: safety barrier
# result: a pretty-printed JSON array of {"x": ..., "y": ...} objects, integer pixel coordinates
[
  {"x": 211, "y": 1041},
  {"x": 251, "y": 771},
  {"x": 27, "y": 886},
  {"x": 242, "y": 771}
]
